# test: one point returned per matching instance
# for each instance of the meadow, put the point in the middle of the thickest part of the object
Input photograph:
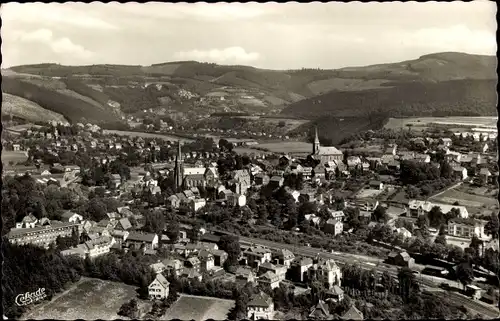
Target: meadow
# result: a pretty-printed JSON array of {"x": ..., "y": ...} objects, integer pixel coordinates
[
  {"x": 190, "y": 307},
  {"x": 146, "y": 135},
  {"x": 16, "y": 157},
  {"x": 475, "y": 204},
  {"x": 287, "y": 147},
  {"x": 423, "y": 122},
  {"x": 91, "y": 299}
]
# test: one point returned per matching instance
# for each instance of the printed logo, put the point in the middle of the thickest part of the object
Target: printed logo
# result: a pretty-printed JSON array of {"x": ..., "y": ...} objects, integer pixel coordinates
[{"x": 28, "y": 298}]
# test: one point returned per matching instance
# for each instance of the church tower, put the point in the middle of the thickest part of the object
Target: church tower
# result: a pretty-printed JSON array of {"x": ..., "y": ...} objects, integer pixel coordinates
[
  {"x": 179, "y": 168},
  {"x": 316, "y": 141}
]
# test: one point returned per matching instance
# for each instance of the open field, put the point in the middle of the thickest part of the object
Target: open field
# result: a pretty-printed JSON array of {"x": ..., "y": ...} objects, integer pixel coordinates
[
  {"x": 91, "y": 299},
  {"x": 288, "y": 124},
  {"x": 19, "y": 107},
  {"x": 146, "y": 135},
  {"x": 368, "y": 193},
  {"x": 190, "y": 307},
  {"x": 398, "y": 123},
  {"x": 475, "y": 204},
  {"x": 16, "y": 157},
  {"x": 249, "y": 151},
  {"x": 287, "y": 147}
]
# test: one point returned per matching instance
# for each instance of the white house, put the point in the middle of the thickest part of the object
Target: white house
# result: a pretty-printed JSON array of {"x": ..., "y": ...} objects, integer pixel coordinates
[
  {"x": 404, "y": 232},
  {"x": 198, "y": 203},
  {"x": 460, "y": 172},
  {"x": 260, "y": 307},
  {"x": 158, "y": 289},
  {"x": 71, "y": 217},
  {"x": 466, "y": 228}
]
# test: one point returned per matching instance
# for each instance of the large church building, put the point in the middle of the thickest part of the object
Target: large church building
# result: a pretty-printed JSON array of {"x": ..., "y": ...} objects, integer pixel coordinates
[{"x": 325, "y": 154}]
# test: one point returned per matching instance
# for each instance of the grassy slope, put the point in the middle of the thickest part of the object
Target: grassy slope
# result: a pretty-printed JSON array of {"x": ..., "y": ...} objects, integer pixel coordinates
[
  {"x": 25, "y": 109},
  {"x": 68, "y": 103}
]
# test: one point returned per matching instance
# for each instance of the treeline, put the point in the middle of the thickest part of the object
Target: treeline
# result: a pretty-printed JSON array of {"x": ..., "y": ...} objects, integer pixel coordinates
[{"x": 71, "y": 108}]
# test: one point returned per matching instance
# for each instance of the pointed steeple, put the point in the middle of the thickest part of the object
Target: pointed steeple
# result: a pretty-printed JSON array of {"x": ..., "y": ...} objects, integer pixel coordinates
[
  {"x": 316, "y": 144},
  {"x": 179, "y": 170}
]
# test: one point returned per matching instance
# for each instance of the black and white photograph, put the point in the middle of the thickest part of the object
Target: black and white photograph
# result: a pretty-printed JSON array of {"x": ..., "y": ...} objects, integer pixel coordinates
[{"x": 247, "y": 161}]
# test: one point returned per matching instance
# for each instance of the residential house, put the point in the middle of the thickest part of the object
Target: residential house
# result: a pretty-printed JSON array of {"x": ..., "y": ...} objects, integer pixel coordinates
[
  {"x": 159, "y": 288},
  {"x": 401, "y": 259},
  {"x": 29, "y": 221},
  {"x": 225, "y": 194},
  {"x": 276, "y": 181},
  {"x": 378, "y": 185},
  {"x": 244, "y": 276},
  {"x": 269, "y": 280},
  {"x": 353, "y": 161},
  {"x": 320, "y": 311},
  {"x": 123, "y": 224},
  {"x": 327, "y": 271},
  {"x": 173, "y": 265},
  {"x": 278, "y": 270},
  {"x": 335, "y": 294},
  {"x": 299, "y": 269},
  {"x": 352, "y": 314},
  {"x": 284, "y": 257},
  {"x": 119, "y": 236},
  {"x": 193, "y": 263},
  {"x": 207, "y": 260},
  {"x": 261, "y": 179},
  {"x": 137, "y": 240},
  {"x": 338, "y": 215},
  {"x": 466, "y": 228},
  {"x": 446, "y": 141},
  {"x": 313, "y": 219},
  {"x": 261, "y": 306},
  {"x": 174, "y": 201},
  {"x": 116, "y": 180},
  {"x": 401, "y": 230},
  {"x": 460, "y": 172},
  {"x": 256, "y": 255},
  {"x": 484, "y": 176},
  {"x": 198, "y": 203},
  {"x": 235, "y": 199},
  {"x": 423, "y": 158},
  {"x": 333, "y": 226},
  {"x": 191, "y": 274},
  {"x": 220, "y": 257},
  {"x": 391, "y": 150}
]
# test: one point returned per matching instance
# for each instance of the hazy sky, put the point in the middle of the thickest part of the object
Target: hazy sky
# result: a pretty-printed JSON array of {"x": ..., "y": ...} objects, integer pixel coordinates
[{"x": 276, "y": 36}]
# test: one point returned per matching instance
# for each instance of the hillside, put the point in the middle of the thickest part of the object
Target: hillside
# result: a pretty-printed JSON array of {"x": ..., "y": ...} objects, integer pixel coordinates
[
  {"x": 451, "y": 83},
  {"x": 18, "y": 107}
]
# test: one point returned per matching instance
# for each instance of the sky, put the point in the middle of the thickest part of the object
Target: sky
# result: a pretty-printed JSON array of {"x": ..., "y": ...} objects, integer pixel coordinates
[{"x": 270, "y": 35}]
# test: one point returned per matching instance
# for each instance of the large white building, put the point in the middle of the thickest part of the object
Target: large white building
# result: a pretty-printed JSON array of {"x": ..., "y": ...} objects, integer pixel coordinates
[
  {"x": 260, "y": 307},
  {"x": 417, "y": 208},
  {"x": 466, "y": 228}
]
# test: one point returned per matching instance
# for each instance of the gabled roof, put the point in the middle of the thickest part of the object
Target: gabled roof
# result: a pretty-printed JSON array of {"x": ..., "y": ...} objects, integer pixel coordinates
[
  {"x": 162, "y": 280},
  {"x": 320, "y": 310},
  {"x": 261, "y": 300},
  {"x": 141, "y": 237},
  {"x": 352, "y": 314},
  {"x": 125, "y": 223}
]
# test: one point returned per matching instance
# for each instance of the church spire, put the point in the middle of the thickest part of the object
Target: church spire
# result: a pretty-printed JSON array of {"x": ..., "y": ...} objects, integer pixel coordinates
[
  {"x": 178, "y": 173},
  {"x": 316, "y": 141}
]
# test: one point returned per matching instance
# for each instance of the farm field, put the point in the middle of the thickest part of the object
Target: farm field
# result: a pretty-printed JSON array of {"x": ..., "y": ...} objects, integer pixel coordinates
[
  {"x": 289, "y": 124},
  {"x": 190, "y": 307},
  {"x": 287, "y": 147},
  {"x": 398, "y": 123},
  {"x": 146, "y": 135},
  {"x": 16, "y": 157},
  {"x": 475, "y": 204},
  {"x": 92, "y": 298}
]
